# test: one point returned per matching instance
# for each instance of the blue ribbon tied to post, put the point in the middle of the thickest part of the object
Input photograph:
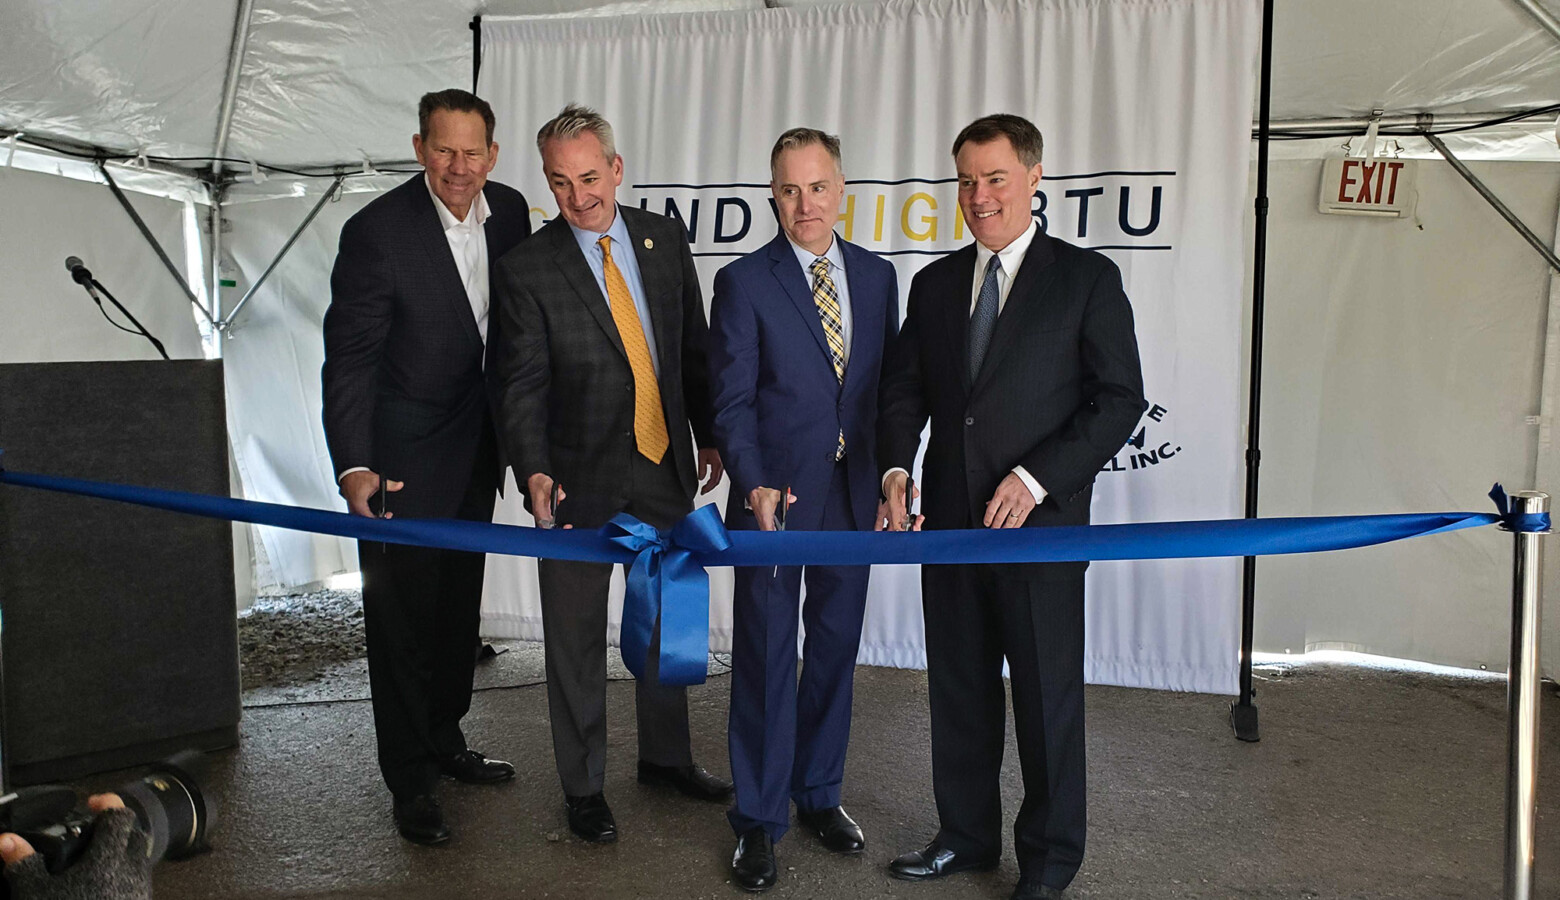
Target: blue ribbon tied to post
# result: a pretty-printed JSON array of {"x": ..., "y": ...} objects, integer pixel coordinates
[{"x": 667, "y": 582}]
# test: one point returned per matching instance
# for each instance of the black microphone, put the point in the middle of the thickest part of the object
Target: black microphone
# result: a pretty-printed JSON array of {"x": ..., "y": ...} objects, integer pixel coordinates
[
  {"x": 82, "y": 276},
  {"x": 78, "y": 270}
]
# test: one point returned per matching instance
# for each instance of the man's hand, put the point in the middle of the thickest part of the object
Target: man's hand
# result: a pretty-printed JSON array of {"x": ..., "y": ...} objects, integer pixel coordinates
[
  {"x": 540, "y": 486},
  {"x": 1010, "y": 505},
  {"x": 891, "y": 512},
  {"x": 357, "y": 488},
  {"x": 709, "y": 464},
  {"x": 764, "y": 501}
]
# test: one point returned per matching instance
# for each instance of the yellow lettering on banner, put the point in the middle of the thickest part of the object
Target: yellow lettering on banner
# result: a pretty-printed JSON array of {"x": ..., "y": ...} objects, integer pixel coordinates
[
  {"x": 958, "y": 222},
  {"x": 877, "y": 224},
  {"x": 849, "y": 215},
  {"x": 930, "y": 222}
]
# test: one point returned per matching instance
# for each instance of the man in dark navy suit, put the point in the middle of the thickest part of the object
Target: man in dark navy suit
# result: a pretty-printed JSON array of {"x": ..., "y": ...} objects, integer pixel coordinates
[
  {"x": 408, "y": 416},
  {"x": 798, "y": 332},
  {"x": 1020, "y": 349}
]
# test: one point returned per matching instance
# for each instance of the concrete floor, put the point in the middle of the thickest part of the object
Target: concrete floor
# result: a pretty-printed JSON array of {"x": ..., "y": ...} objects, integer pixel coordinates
[{"x": 1366, "y": 784}]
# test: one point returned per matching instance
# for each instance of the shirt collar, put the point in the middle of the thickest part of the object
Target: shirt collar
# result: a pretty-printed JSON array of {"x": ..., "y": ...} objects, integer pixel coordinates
[
  {"x": 834, "y": 255},
  {"x": 1012, "y": 255},
  {"x": 618, "y": 232},
  {"x": 477, "y": 215}
]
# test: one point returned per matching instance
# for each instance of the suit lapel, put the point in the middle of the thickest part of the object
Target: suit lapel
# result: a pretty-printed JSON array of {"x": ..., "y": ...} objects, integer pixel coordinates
[
  {"x": 787, "y": 270},
  {"x": 1026, "y": 295},
  {"x": 571, "y": 262},
  {"x": 430, "y": 236},
  {"x": 956, "y": 324},
  {"x": 862, "y": 319}
]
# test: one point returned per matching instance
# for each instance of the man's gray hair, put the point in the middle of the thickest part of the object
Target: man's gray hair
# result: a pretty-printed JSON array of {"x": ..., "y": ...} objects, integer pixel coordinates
[
  {"x": 574, "y": 121},
  {"x": 805, "y": 137}
]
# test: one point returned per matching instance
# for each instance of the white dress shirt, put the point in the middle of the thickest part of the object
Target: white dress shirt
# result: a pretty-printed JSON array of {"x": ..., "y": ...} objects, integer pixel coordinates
[
  {"x": 1012, "y": 256},
  {"x": 468, "y": 243}
]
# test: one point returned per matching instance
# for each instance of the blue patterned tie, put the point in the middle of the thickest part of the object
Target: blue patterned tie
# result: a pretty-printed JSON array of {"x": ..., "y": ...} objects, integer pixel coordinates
[{"x": 984, "y": 320}]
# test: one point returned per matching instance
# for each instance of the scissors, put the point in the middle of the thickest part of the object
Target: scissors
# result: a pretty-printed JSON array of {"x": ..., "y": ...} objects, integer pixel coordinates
[
  {"x": 552, "y": 504},
  {"x": 785, "y": 505}
]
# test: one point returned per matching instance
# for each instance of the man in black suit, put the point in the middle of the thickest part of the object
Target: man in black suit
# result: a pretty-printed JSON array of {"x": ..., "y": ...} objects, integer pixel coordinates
[
  {"x": 601, "y": 374},
  {"x": 1021, "y": 351},
  {"x": 408, "y": 418}
]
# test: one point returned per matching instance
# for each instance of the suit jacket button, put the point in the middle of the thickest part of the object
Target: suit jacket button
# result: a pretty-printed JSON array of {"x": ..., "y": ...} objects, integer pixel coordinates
[{"x": 969, "y": 420}]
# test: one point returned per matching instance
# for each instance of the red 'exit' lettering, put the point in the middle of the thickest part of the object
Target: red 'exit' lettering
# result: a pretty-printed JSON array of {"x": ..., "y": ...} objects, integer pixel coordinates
[{"x": 1380, "y": 175}]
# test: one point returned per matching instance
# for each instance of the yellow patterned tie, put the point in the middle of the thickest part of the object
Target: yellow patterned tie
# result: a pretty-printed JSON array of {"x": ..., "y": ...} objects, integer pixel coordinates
[
  {"x": 828, "y": 301},
  {"x": 649, "y": 420}
]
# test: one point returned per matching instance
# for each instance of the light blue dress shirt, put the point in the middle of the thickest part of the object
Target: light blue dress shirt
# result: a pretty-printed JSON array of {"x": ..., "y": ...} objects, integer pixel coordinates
[
  {"x": 628, "y": 264},
  {"x": 836, "y": 258}
]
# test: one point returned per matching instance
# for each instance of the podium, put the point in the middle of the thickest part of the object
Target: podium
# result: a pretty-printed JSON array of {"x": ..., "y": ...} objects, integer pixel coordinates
[{"x": 120, "y": 632}]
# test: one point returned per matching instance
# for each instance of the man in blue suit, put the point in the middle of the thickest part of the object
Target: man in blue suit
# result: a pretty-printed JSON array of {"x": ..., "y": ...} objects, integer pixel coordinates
[{"x": 797, "y": 334}]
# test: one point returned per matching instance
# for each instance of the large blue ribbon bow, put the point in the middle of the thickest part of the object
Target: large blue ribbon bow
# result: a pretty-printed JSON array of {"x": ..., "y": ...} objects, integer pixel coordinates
[{"x": 667, "y": 583}]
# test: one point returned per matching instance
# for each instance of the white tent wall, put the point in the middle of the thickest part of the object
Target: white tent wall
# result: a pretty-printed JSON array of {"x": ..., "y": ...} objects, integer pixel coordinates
[
  {"x": 273, "y": 356},
  {"x": 1402, "y": 359},
  {"x": 48, "y": 317}
]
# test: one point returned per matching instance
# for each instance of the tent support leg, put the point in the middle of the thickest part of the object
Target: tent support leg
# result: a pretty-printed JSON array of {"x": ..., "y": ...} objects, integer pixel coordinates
[
  {"x": 1243, "y": 712},
  {"x": 330, "y": 192},
  {"x": 1505, "y": 213},
  {"x": 1522, "y": 686},
  {"x": 140, "y": 224}
]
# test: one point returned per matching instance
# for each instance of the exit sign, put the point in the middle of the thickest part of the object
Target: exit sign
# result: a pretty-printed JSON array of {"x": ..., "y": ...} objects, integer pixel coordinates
[{"x": 1356, "y": 186}]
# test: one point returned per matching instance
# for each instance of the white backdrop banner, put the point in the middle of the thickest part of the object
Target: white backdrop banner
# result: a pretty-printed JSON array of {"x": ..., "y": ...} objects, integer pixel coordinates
[{"x": 1145, "y": 106}]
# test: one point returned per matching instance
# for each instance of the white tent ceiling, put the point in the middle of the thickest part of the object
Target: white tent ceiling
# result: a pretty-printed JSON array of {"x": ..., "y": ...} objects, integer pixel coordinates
[{"x": 326, "y": 82}]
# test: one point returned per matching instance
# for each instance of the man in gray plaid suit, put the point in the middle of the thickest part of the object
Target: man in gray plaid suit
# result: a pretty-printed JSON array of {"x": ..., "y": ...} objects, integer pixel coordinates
[{"x": 601, "y": 379}]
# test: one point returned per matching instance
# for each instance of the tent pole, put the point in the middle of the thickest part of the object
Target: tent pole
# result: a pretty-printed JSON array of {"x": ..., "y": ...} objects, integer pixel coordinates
[
  {"x": 297, "y": 232},
  {"x": 1243, "y": 712},
  {"x": 217, "y": 192},
  {"x": 476, "y": 50},
  {"x": 1544, "y": 17},
  {"x": 152, "y": 239},
  {"x": 240, "y": 46},
  {"x": 1494, "y": 201}
]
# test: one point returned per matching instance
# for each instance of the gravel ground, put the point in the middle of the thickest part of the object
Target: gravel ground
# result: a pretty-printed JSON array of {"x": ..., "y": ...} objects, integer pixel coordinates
[{"x": 288, "y": 641}]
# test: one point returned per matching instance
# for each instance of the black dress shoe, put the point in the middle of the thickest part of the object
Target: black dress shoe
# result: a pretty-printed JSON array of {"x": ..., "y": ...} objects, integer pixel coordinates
[
  {"x": 690, "y": 780},
  {"x": 590, "y": 818},
  {"x": 753, "y": 867},
  {"x": 935, "y": 861},
  {"x": 474, "y": 768},
  {"x": 838, "y": 831},
  {"x": 420, "y": 820},
  {"x": 1032, "y": 889}
]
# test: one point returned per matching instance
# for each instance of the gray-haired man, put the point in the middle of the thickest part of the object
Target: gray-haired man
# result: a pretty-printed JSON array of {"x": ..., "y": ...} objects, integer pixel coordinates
[{"x": 601, "y": 374}]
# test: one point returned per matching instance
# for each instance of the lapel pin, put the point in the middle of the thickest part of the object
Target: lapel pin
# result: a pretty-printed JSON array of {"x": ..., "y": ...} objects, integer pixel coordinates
[{"x": 649, "y": 244}]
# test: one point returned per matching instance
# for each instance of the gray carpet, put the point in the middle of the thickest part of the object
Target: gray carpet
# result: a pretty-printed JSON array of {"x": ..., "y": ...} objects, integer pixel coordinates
[{"x": 1366, "y": 784}]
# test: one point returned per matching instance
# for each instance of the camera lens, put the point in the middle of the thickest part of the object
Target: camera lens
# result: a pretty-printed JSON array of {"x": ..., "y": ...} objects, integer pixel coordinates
[{"x": 170, "y": 806}]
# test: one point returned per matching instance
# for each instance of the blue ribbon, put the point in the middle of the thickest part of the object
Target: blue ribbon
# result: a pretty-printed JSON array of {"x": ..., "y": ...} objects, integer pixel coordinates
[
  {"x": 667, "y": 580},
  {"x": 1511, "y": 520},
  {"x": 667, "y": 583}
]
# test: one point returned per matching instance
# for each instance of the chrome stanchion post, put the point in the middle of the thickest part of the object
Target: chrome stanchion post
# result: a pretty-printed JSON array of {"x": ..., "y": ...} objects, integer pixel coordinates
[{"x": 1522, "y": 699}]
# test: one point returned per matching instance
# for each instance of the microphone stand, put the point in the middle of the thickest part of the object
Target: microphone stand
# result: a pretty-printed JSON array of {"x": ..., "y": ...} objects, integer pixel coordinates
[{"x": 92, "y": 283}]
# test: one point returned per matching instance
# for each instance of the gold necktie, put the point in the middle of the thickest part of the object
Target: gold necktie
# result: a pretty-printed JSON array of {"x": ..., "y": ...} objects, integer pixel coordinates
[
  {"x": 827, "y": 299},
  {"x": 649, "y": 420}
]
